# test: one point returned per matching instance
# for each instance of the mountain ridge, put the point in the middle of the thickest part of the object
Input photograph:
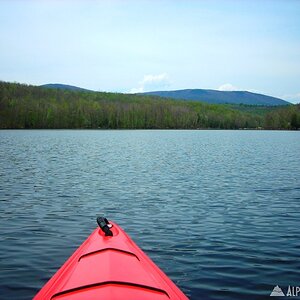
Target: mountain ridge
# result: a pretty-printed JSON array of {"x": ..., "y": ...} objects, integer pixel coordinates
[
  {"x": 220, "y": 97},
  {"x": 203, "y": 95},
  {"x": 32, "y": 107},
  {"x": 61, "y": 86}
]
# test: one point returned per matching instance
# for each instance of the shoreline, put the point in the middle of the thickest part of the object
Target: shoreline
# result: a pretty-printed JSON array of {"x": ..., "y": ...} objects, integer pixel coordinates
[{"x": 148, "y": 129}]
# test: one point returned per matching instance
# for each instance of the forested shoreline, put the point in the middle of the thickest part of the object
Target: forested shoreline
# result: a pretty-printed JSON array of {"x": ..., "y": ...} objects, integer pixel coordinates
[{"x": 31, "y": 107}]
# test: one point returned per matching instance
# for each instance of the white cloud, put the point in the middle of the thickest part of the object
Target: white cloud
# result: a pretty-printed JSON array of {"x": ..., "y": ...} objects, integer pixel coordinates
[
  {"x": 293, "y": 98},
  {"x": 156, "y": 79},
  {"x": 152, "y": 83},
  {"x": 136, "y": 90},
  {"x": 228, "y": 87}
]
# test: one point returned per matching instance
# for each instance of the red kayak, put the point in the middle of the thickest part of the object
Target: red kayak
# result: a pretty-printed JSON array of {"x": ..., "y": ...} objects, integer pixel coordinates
[{"x": 109, "y": 265}]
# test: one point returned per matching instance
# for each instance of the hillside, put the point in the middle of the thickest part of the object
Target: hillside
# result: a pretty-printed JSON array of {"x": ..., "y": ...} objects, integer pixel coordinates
[
  {"x": 203, "y": 95},
  {"x": 221, "y": 97},
  {"x": 31, "y": 107},
  {"x": 64, "y": 87}
]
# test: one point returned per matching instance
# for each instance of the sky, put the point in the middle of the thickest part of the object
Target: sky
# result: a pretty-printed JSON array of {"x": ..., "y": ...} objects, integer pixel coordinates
[{"x": 138, "y": 45}]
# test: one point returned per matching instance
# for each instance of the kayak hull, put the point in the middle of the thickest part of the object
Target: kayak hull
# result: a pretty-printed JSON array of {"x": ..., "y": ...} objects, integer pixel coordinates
[{"x": 109, "y": 267}]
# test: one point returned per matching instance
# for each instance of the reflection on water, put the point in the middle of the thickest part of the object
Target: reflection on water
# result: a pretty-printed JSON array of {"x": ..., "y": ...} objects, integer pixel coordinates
[{"x": 218, "y": 211}]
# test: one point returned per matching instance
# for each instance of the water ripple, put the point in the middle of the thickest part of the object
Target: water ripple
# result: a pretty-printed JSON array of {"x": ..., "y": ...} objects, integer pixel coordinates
[{"x": 218, "y": 211}]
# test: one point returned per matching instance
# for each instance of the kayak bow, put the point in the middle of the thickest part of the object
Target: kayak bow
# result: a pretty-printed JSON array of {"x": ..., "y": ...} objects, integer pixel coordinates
[{"x": 109, "y": 265}]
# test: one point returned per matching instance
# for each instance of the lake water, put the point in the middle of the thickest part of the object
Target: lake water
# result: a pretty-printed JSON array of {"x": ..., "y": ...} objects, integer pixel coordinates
[{"x": 218, "y": 211}]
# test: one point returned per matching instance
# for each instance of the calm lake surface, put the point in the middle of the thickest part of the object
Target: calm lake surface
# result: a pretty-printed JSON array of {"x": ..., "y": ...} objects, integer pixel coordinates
[{"x": 218, "y": 211}]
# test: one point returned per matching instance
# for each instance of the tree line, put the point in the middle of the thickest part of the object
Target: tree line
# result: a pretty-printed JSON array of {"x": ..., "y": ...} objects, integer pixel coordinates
[{"x": 31, "y": 107}]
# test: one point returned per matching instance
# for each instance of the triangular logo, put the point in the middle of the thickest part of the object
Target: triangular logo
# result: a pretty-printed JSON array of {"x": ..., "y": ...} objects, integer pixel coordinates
[{"x": 277, "y": 291}]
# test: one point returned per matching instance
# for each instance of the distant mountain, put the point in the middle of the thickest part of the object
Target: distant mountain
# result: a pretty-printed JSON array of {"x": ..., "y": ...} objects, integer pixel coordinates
[
  {"x": 221, "y": 97},
  {"x": 64, "y": 87},
  {"x": 209, "y": 96}
]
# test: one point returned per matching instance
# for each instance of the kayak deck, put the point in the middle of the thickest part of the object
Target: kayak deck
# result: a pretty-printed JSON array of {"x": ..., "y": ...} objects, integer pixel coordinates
[{"x": 109, "y": 267}]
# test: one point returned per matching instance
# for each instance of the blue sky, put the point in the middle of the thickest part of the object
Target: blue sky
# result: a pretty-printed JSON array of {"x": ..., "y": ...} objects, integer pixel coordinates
[{"x": 130, "y": 46}]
